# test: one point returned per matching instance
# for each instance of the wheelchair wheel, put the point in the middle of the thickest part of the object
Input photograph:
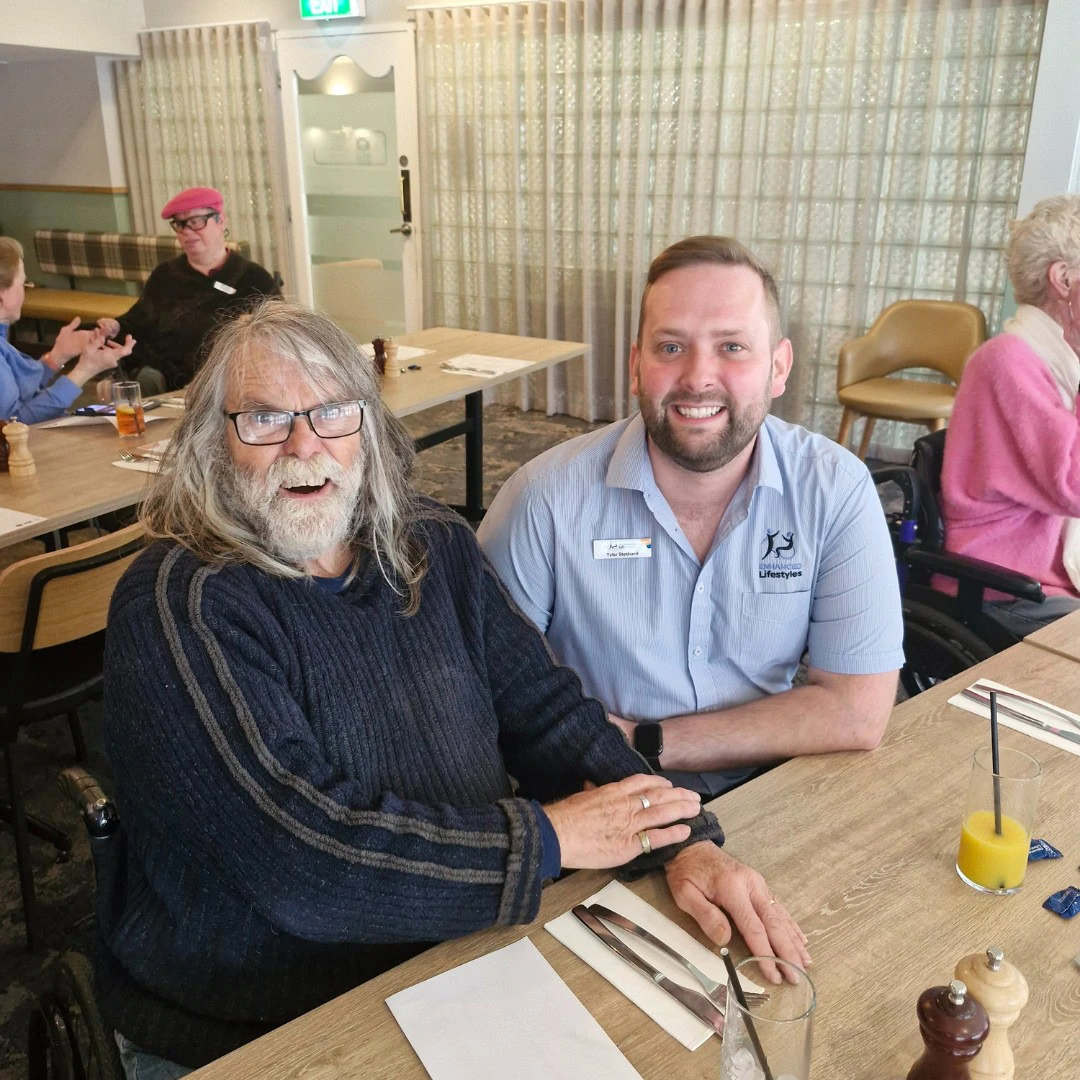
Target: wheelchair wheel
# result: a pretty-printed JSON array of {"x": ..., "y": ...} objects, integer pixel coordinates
[
  {"x": 68, "y": 1041},
  {"x": 936, "y": 647}
]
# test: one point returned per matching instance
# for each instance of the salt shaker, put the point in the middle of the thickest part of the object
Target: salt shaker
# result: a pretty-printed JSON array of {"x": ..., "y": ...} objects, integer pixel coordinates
[
  {"x": 393, "y": 371},
  {"x": 1002, "y": 991},
  {"x": 953, "y": 1025},
  {"x": 20, "y": 460}
]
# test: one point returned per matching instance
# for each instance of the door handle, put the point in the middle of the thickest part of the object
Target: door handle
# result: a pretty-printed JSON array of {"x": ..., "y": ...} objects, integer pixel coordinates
[{"x": 405, "y": 230}]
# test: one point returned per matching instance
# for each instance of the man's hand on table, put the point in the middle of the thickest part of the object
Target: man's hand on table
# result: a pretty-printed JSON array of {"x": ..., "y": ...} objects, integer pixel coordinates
[
  {"x": 599, "y": 828},
  {"x": 704, "y": 879}
]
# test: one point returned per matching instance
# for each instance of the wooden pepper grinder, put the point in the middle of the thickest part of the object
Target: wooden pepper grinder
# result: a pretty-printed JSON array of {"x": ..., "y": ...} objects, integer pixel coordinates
[
  {"x": 1002, "y": 991},
  {"x": 378, "y": 347},
  {"x": 953, "y": 1026},
  {"x": 20, "y": 461},
  {"x": 393, "y": 371}
]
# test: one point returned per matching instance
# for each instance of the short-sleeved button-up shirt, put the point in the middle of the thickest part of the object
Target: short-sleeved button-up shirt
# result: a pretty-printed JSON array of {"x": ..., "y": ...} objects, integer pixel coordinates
[{"x": 801, "y": 561}]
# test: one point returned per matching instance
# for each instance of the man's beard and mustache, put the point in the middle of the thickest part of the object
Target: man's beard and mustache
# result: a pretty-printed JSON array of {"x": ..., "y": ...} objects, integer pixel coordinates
[
  {"x": 698, "y": 452},
  {"x": 298, "y": 531}
]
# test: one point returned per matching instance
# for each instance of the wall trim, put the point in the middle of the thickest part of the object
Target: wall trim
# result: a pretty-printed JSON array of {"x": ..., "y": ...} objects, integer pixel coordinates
[{"x": 78, "y": 188}]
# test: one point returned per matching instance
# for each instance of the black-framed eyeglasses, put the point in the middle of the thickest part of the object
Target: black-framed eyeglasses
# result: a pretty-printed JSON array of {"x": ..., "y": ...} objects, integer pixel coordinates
[
  {"x": 196, "y": 223},
  {"x": 266, "y": 427}
]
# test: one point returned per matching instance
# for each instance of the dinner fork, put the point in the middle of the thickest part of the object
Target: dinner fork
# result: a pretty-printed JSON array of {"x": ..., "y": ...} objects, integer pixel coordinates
[
  {"x": 136, "y": 457},
  {"x": 712, "y": 987}
]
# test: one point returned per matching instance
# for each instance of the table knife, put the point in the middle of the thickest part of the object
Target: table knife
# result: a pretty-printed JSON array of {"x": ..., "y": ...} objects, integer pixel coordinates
[
  {"x": 1072, "y": 736},
  {"x": 1012, "y": 696},
  {"x": 696, "y": 1003}
]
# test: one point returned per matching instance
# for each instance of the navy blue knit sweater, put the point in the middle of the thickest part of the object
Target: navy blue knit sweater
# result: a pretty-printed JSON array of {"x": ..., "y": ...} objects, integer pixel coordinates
[{"x": 313, "y": 787}]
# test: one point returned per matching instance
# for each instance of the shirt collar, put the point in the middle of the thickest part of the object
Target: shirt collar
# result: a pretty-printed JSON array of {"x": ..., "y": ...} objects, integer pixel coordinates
[{"x": 630, "y": 466}]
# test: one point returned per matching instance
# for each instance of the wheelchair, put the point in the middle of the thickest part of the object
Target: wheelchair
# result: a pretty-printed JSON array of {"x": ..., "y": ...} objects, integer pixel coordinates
[
  {"x": 943, "y": 634},
  {"x": 67, "y": 1039}
]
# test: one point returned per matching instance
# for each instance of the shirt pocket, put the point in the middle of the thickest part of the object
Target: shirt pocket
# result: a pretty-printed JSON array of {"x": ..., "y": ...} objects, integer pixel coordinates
[{"x": 773, "y": 631}]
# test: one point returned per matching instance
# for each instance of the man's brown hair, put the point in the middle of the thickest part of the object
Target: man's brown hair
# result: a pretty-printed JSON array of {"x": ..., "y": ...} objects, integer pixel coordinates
[{"x": 720, "y": 251}]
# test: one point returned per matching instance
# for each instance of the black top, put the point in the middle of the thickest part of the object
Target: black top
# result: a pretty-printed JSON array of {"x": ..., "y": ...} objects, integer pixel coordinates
[{"x": 179, "y": 307}]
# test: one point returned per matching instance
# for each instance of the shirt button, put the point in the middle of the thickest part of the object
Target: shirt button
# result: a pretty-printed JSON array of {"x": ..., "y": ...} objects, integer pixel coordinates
[
  {"x": 697, "y": 651},
  {"x": 701, "y": 588}
]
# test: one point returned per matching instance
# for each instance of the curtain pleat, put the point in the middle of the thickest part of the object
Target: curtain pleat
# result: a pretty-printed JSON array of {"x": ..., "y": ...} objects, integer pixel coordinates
[
  {"x": 201, "y": 107},
  {"x": 867, "y": 150}
]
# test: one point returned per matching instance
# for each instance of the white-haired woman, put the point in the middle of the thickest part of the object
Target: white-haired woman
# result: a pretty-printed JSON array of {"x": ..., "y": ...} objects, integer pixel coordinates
[
  {"x": 28, "y": 389},
  {"x": 1010, "y": 483}
]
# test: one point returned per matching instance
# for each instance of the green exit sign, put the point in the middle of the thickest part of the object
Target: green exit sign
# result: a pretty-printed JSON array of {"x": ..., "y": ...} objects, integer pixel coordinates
[{"x": 331, "y": 9}]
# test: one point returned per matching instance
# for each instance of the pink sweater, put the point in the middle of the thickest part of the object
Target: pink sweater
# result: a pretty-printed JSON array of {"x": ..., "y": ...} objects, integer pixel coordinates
[{"x": 1012, "y": 464}]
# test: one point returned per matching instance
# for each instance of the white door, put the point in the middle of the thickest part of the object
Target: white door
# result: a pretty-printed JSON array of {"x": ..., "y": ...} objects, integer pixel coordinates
[{"x": 349, "y": 104}]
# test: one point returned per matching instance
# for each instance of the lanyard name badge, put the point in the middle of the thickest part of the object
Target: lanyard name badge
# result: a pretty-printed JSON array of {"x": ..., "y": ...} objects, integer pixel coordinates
[
  {"x": 632, "y": 548},
  {"x": 222, "y": 287}
]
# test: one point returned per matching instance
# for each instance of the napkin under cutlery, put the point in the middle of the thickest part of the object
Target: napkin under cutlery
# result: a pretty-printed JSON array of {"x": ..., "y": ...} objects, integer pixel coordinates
[
  {"x": 648, "y": 997},
  {"x": 1005, "y": 720}
]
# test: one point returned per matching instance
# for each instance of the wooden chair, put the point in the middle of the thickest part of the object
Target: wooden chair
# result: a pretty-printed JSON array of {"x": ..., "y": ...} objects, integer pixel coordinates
[
  {"x": 53, "y": 609},
  {"x": 937, "y": 334}
]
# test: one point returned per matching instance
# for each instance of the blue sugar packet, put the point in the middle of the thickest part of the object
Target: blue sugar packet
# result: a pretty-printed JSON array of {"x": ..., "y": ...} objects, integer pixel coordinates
[
  {"x": 1040, "y": 849},
  {"x": 1065, "y": 903}
]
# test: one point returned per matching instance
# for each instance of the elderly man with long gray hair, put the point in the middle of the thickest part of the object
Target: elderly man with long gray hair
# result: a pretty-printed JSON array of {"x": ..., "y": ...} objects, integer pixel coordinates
[
  {"x": 1010, "y": 482},
  {"x": 335, "y": 740}
]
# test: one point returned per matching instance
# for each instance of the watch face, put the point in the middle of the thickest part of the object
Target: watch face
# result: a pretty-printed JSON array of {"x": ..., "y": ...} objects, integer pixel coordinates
[{"x": 649, "y": 740}]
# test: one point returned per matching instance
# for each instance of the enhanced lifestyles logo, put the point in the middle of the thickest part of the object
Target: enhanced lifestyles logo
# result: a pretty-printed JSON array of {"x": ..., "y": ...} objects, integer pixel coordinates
[{"x": 778, "y": 556}]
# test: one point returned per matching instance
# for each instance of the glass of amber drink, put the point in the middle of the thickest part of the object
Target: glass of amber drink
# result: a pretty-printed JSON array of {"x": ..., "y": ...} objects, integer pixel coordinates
[
  {"x": 998, "y": 819},
  {"x": 130, "y": 419}
]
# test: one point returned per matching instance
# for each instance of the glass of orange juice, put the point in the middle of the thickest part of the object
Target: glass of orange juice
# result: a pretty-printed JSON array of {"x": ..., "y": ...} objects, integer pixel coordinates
[
  {"x": 998, "y": 819},
  {"x": 127, "y": 399}
]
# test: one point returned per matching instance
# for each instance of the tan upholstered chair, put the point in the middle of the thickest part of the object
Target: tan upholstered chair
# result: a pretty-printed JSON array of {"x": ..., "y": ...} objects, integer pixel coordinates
[{"x": 938, "y": 334}]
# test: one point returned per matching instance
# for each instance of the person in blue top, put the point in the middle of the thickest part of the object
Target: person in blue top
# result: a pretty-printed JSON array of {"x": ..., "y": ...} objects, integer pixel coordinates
[
  {"x": 28, "y": 389},
  {"x": 684, "y": 560}
]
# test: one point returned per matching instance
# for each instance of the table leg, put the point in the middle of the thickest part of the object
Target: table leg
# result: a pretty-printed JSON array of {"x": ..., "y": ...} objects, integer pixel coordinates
[{"x": 474, "y": 456}]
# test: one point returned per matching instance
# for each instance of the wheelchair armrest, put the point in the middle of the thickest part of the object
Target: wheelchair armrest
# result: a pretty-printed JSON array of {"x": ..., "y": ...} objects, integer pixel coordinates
[
  {"x": 907, "y": 480},
  {"x": 98, "y": 812},
  {"x": 976, "y": 571}
]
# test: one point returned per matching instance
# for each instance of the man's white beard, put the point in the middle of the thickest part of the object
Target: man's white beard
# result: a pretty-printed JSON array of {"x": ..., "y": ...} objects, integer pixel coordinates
[{"x": 298, "y": 531}]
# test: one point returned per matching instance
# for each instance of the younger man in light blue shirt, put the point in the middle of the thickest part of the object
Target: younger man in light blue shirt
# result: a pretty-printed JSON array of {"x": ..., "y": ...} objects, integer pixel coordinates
[{"x": 682, "y": 561}]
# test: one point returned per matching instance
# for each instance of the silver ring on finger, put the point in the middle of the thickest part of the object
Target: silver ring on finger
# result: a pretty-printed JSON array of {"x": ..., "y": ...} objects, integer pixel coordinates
[
  {"x": 646, "y": 843},
  {"x": 645, "y": 804}
]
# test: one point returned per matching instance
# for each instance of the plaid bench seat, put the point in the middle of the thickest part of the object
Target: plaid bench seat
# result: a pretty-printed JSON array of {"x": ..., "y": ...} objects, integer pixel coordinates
[{"x": 115, "y": 256}]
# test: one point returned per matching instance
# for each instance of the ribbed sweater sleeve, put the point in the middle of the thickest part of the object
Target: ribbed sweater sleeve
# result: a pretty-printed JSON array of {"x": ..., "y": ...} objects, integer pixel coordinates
[
  {"x": 215, "y": 749},
  {"x": 554, "y": 737}
]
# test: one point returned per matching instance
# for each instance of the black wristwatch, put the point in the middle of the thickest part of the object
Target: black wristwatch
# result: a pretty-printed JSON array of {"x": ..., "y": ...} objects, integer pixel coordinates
[{"x": 649, "y": 743}]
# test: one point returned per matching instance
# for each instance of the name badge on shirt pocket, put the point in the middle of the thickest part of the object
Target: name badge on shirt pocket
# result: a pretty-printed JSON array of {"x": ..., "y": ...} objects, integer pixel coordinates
[
  {"x": 222, "y": 287},
  {"x": 635, "y": 548}
]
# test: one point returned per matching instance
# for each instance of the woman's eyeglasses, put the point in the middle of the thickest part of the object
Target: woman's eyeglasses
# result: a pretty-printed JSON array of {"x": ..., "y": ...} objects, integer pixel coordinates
[
  {"x": 267, "y": 427},
  {"x": 196, "y": 223}
]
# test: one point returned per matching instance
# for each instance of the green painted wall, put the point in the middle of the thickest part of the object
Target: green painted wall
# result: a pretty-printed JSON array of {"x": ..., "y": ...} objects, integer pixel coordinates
[{"x": 21, "y": 212}]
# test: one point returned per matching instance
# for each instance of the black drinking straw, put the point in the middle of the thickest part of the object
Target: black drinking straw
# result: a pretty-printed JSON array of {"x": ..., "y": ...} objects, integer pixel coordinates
[
  {"x": 995, "y": 761},
  {"x": 736, "y": 988}
]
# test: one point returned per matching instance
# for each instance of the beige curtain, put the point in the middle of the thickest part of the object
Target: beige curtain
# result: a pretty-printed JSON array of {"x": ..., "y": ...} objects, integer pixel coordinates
[
  {"x": 201, "y": 107},
  {"x": 868, "y": 150}
]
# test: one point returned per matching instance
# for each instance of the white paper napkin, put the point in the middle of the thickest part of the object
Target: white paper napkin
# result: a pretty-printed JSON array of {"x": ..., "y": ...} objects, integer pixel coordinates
[
  {"x": 150, "y": 466},
  {"x": 10, "y": 520},
  {"x": 85, "y": 421},
  {"x": 637, "y": 986},
  {"x": 1018, "y": 725},
  {"x": 506, "y": 1014},
  {"x": 483, "y": 367}
]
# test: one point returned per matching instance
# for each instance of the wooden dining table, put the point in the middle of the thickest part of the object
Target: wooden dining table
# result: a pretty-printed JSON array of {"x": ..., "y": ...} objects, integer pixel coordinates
[
  {"x": 1061, "y": 636},
  {"x": 75, "y": 479},
  {"x": 860, "y": 847}
]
